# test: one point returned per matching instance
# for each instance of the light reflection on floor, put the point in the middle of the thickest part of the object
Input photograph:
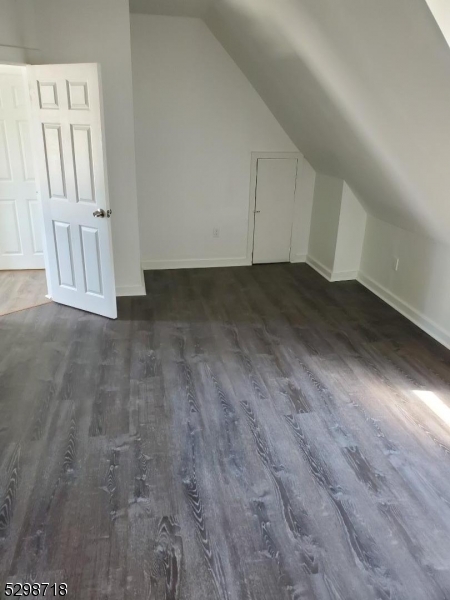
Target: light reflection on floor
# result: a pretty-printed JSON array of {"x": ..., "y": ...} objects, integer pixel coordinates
[{"x": 435, "y": 404}]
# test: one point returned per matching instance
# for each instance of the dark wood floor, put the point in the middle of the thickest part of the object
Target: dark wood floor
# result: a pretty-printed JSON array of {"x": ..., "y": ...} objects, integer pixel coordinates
[{"x": 248, "y": 433}]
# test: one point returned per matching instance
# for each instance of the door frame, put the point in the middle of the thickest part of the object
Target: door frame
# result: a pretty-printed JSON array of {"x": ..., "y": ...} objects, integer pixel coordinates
[{"x": 252, "y": 200}]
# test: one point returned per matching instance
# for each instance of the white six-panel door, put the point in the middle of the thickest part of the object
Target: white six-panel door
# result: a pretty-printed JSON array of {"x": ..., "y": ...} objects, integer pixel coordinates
[
  {"x": 274, "y": 207},
  {"x": 70, "y": 156},
  {"x": 20, "y": 216}
]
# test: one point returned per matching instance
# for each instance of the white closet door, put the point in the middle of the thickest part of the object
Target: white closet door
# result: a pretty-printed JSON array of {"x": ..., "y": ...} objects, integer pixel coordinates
[
  {"x": 274, "y": 208},
  {"x": 20, "y": 214}
]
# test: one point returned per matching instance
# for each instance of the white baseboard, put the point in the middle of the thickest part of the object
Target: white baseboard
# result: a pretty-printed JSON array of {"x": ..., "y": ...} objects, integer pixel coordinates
[
  {"x": 344, "y": 275},
  {"x": 132, "y": 290},
  {"x": 328, "y": 274},
  {"x": 319, "y": 267},
  {"x": 194, "y": 263},
  {"x": 298, "y": 258},
  {"x": 417, "y": 317}
]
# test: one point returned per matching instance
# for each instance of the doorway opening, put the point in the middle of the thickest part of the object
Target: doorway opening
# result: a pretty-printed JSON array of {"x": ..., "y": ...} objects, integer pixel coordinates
[{"x": 22, "y": 266}]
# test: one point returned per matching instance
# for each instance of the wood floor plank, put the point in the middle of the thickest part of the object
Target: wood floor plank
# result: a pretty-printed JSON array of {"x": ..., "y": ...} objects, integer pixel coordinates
[{"x": 20, "y": 290}]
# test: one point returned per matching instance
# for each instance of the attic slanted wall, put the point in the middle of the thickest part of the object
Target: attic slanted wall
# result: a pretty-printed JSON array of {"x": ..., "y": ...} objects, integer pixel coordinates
[
  {"x": 363, "y": 90},
  {"x": 441, "y": 13}
]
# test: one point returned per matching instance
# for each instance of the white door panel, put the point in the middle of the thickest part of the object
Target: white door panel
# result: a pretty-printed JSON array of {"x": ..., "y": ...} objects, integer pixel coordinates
[
  {"x": 5, "y": 163},
  {"x": 35, "y": 215},
  {"x": 20, "y": 222},
  {"x": 69, "y": 142},
  {"x": 26, "y": 151},
  {"x": 274, "y": 207},
  {"x": 9, "y": 228}
]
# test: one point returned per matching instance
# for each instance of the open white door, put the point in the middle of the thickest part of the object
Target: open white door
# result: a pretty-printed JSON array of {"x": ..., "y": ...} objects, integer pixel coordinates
[{"x": 68, "y": 136}]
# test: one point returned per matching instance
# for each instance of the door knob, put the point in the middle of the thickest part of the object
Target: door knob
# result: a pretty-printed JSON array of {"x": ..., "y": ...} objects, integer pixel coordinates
[{"x": 99, "y": 213}]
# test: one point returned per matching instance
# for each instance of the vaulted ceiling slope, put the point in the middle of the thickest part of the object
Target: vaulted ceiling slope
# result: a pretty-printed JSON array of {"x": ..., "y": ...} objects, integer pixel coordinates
[
  {"x": 177, "y": 8},
  {"x": 362, "y": 87}
]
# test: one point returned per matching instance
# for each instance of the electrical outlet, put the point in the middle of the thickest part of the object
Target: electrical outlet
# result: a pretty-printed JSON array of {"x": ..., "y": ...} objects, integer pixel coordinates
[
  {"x": 395, "y": 263},
  {"x": 216, "y": 232}
]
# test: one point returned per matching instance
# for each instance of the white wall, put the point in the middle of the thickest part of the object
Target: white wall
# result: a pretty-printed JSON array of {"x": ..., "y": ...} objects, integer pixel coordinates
[
  {"x": 337, "y": 230},
  {"x": 325, "y": 222},
  {"x": 17, "y": 30},
  {"x": 98, "y": 31},
  {"x": 197, "y": 121},
  {"x": 350, "y": 238},
  {"x": 420, "y": 289},
  {"x": 304, "y": 200},
  {"x": 11, "y": 34}
]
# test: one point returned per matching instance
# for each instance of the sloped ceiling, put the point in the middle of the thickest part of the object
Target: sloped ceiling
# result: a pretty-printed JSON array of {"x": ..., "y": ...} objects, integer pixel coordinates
[
  {"x": 441, "y": 12},
  {"x": 362, "y": 87},
  {"x": 183, "y": 8}
]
